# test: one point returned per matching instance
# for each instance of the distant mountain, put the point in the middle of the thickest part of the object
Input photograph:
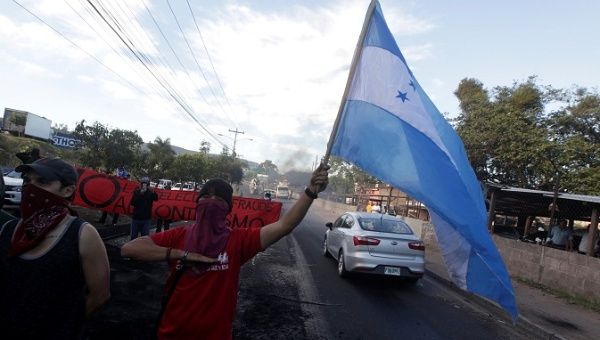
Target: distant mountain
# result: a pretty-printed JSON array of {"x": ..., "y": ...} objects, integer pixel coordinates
[
  {"x": 181, "y": 151},
  {"x": 178, "y": 150}
]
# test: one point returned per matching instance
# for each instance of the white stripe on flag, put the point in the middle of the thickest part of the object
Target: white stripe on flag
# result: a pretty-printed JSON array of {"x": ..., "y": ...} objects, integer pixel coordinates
[{"x": 379, "y": 76}]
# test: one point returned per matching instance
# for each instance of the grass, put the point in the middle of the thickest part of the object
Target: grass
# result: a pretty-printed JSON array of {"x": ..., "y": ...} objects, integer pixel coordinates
[{"x": 574, "y": 299}]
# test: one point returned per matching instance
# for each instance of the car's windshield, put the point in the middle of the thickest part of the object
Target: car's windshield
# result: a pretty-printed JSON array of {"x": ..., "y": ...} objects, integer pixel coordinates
[
  {"x": 13, "y": 174},
  {"x": 384, "y": 225}
]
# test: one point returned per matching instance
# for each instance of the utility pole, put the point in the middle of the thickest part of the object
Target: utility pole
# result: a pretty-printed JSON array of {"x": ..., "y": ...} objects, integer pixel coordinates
[{"x": 236, "y": 132}]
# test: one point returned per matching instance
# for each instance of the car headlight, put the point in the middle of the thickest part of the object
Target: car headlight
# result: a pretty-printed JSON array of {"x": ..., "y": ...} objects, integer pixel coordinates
[{"x": 13, "y": 188}]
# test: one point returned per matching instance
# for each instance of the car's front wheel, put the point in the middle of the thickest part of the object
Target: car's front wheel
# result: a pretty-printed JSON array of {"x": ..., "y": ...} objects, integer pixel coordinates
[
  {"x": 342, "y": 265},
  {"x": 325, "y": 252}
]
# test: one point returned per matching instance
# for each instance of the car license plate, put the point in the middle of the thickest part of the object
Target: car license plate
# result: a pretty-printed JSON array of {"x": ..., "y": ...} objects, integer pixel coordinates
[{"x": 392, "y": 271}]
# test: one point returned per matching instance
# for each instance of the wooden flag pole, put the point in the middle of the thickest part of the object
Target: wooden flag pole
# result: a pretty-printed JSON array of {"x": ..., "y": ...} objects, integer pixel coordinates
[{"x": 355, "y": 58}]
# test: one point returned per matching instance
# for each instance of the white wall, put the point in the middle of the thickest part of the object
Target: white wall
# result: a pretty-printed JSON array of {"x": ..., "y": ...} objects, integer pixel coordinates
[{"x": 37, "y": 126}]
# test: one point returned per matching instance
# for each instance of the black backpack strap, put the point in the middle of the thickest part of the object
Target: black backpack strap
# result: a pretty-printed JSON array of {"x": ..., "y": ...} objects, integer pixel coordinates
[{"x": 180, "y": 268}]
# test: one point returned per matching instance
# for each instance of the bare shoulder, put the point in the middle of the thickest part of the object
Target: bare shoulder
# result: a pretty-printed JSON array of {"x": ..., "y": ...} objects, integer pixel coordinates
[{"x": 89, "y": 239}]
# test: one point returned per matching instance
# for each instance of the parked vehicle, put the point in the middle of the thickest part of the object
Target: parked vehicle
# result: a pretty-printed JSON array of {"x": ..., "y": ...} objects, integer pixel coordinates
[
  {"x": 183, "y": 186},
  {"x": 375, "y": 244},
  {"x": 163, "y": 183},
  {"x": 30, "y": 124},
  {"x": 282, "y": 192},
  {"x": 6, "y": 169},
  {"x": 12, "y": 188}
]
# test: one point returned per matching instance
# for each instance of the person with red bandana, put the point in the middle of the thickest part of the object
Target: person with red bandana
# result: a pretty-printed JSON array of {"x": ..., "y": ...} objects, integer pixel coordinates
[
  {"x": 53, "y": 265},
  {"x": 202, "y": 298}
]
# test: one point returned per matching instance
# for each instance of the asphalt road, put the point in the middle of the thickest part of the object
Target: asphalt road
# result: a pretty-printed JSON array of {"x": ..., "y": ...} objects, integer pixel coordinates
[
  {"x": 291, "y": 291},
  {"x": 363, "y": 307}
]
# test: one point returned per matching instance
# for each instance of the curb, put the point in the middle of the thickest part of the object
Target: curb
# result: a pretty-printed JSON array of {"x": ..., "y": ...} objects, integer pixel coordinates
[{"x": 523, "y": 324}]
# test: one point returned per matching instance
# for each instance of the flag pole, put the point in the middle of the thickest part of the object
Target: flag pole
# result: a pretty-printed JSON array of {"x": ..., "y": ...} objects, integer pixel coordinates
[{"x": 355, "y": 58}]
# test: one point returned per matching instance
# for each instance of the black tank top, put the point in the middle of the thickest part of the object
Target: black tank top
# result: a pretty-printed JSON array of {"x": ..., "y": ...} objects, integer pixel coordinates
[{"x": 42, "y": 297}]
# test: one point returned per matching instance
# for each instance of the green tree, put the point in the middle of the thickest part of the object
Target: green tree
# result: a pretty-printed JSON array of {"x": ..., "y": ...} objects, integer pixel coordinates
[
  {"x": 575, "y": 132},
  {"x": 228, "y": 167},
  {"x": 92, "y": 139},
  {"x": 60, "y": 128},
  {"x": 268, "y": 168},
  {"x": 511, "y": 138},
  {"x": 120, "y": 149},
  {"x": 205, "y": 147},
  {"x": 189, "y": 168},
  {"x": 343, "y": 177},
  {"x": 160, "y": 158}
]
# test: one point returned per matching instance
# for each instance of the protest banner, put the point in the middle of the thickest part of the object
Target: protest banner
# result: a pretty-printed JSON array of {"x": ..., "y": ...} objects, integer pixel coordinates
[{"x": 112, "y": 194}]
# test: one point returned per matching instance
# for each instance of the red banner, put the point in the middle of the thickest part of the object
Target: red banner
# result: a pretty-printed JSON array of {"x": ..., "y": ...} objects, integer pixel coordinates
[{"x": 113, "y": 194}]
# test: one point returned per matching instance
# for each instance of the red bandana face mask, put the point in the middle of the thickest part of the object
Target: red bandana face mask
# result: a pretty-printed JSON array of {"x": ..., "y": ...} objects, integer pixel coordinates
[
  {"x": 209, "y": 234},
  {"x": 41, "y": 212}
]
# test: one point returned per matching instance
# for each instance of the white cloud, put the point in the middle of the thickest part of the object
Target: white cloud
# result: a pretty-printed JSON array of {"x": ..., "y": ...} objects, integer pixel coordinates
[{"x": 283, "y": 71}]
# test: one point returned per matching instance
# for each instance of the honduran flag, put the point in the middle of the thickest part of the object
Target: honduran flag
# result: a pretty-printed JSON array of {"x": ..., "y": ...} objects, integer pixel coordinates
[{"x": 390, "y": 128}]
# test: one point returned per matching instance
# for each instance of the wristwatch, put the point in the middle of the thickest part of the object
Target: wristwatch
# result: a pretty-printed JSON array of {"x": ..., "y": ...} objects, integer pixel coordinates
[{"x": 310, "y": 194}]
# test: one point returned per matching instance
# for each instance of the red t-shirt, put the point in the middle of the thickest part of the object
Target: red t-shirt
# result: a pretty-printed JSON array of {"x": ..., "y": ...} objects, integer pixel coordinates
[{"x": 204, "y": 307}]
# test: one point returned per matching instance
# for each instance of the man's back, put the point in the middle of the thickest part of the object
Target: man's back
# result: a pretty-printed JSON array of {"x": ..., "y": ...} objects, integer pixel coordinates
[
  {"x": 52, "y": 303},
  {"x": 142, "y": 204}
]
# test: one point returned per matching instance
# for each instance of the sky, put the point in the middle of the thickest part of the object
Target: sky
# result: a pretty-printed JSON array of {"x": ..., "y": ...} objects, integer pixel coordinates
[{"x": 274, "y": 69}]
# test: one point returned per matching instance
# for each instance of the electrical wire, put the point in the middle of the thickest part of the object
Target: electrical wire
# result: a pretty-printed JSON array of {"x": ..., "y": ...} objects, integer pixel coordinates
[
  {"x": 196, "y": 60},
  {"x": 125, "y": 59},
  {"x": 76, "y": 45},
  {"x": 180, "y": 62},
  {"x": 142, "y": 58},
  {"x": 208, "y": 55}
]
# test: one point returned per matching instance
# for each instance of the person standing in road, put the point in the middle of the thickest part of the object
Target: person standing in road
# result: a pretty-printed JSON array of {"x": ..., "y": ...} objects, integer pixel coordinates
[
  {"x": 204, "y": 296},
  {"x": 53, "y": 265},
  {"x": 142, "y": 201}
]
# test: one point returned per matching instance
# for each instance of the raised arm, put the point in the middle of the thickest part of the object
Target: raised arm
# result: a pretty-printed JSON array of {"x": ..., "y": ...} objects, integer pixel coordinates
[
  {"x": 271, "y": 233},
  {"x": 96, "y": 270},
  {"x": 144, "y": 249}
]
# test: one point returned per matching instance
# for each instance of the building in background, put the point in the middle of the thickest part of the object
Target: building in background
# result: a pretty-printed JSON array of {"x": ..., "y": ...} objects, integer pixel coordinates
[{"x": 25, "y": 123}]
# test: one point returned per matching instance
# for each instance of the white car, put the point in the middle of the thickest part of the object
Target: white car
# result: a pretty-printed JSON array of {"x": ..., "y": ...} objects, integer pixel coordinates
[
  {"x": 375, "y": 244},
  {"x": 12, "y": 188},
  {"x": 183, "y": 187},
  {"x": 282, "y": 192}
]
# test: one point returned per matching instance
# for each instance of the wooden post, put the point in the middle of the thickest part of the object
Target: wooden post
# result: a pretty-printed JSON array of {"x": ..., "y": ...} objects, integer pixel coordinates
[
  {"x": 527, "y": 225},
  {"x": 491, "y": 213},
  {"x": 593, "y": 232}
]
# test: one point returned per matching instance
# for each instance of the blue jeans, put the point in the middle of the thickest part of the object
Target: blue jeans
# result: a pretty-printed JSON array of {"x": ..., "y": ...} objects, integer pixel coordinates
[{"x": 140, "y": 227}]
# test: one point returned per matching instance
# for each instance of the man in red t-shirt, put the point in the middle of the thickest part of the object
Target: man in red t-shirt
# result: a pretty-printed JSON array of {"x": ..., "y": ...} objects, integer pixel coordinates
[{"x": 202, "y": 305}]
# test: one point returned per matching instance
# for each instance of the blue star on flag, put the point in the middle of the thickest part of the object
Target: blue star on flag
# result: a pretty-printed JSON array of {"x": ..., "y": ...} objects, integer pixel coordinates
[
  {"x": 403, "y": 96},
  {"x": 412, "y": 84}
]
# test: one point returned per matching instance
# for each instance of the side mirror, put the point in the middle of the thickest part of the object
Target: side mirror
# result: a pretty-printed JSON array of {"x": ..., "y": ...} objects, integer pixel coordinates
[{"x": 329, "y": 225}]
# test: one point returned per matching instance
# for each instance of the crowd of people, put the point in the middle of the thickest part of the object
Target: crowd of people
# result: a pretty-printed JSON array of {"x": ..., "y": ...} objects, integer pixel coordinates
[
  {"x": 64, "y": 263},
  {"x": 563, "y": 236}
]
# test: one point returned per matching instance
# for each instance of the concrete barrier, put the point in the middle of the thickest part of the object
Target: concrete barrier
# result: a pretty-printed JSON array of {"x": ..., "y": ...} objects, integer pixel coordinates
[{"x": 569, "y": 272}]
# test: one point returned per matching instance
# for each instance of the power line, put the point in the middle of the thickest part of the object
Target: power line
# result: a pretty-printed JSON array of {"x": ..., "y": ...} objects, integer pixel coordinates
[
  {"x": 76, "y": 45},
  {"x": 162, "y": 82},
  {"x": 196, "y": 60},
  {"x": 125, "y": 59},
  {"x": 208, "y": 55},
  {"x": 150, "y": 64},
  {"x": 179, "y": 60}
]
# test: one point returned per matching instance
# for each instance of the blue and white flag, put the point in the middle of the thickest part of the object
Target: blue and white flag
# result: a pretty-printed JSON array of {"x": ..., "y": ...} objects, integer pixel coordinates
[{"x": 390, "y": 128}]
